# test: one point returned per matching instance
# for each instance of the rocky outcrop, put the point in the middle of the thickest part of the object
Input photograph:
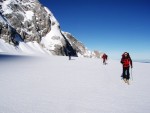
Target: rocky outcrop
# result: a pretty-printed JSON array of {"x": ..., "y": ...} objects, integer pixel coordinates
[
  {"x": 26, "y": 18},
  {"x": 29, "y": 21},
  {"x": 78, "y": 46}
]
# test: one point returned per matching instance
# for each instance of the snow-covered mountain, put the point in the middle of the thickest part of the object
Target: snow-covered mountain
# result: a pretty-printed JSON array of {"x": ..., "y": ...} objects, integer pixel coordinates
[{"x": 26, "y": 26}]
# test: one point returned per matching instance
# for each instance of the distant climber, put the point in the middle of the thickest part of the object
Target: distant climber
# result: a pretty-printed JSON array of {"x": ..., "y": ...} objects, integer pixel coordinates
[
  {"x": 126, "y": 63},
  {"x": 104, "y": 57},
  {"x": 69, "y": 54}
]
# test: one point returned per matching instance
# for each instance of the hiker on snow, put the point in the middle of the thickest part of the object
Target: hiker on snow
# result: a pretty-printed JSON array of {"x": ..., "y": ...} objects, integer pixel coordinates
[
  {"x": 104, "y": 57},
  {"x": 69, "y": 54},
  {"x": 126, "y": 62}
]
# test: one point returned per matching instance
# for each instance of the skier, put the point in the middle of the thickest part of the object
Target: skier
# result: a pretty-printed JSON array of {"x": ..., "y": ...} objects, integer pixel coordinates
[
  {"x": 104, "y": 57},
  {"x": 69, "y": 54},
  {"x": 126, "y": 62}
]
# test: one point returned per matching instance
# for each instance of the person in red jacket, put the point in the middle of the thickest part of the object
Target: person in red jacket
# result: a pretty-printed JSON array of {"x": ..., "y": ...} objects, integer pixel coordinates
[
  {"x": 104, "y": 57},
  {"x": 126, "y": 63}
]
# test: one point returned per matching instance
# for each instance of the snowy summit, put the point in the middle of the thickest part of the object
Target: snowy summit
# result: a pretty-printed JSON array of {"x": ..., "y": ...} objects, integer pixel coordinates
[{"x": 27, "y": 27}]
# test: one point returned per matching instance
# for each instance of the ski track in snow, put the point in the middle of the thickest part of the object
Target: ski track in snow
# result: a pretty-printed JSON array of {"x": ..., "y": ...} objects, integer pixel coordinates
[{"x": 53, "y": 84}]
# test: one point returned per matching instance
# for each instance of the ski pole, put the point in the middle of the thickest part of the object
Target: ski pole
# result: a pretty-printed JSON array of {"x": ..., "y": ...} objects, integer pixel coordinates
[{"x": 131, "y": 74}]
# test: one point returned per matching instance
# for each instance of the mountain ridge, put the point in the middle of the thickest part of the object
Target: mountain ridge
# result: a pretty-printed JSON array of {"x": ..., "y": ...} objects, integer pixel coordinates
[{"x": 29, "y": 27}]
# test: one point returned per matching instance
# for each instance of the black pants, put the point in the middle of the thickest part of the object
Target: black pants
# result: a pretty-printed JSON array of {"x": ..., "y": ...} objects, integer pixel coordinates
[
  {"x": 69, "y": 57},
  {"x": 126, "y": 74},
  {"x": 104, "y": 61}
]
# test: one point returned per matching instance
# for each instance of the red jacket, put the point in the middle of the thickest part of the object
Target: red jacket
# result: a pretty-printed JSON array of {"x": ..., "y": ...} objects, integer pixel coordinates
[
  {"x": 104, "y": 56},
  {"x": 126, "y": 60}
]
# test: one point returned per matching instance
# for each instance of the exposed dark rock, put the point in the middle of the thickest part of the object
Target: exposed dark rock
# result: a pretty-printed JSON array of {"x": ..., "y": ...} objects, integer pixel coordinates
[{"x": 28, "y": 21}]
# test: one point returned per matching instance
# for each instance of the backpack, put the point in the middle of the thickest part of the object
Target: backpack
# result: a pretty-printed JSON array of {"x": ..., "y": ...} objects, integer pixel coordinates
[{"x": 126, "y": 62}]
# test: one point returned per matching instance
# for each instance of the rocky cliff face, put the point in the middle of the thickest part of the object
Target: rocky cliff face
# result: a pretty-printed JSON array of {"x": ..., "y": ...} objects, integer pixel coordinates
[
  {"x": 78, "y": 46},
  {"x": 25, "y": 18},
  {"x": 27, "y": 21}
]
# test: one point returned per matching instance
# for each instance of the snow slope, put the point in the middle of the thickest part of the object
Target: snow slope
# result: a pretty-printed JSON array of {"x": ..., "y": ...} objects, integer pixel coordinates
[
  {"x": 48, "y": 84},
  {"x": 23, "y": 48}
]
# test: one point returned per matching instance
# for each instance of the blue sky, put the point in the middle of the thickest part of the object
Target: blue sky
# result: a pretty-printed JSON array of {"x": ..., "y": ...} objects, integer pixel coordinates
[{"x": 111, "y": 26}]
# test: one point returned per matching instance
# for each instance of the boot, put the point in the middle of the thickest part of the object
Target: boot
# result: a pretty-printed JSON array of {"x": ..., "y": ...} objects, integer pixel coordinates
[{"x": 127, "y": 82}]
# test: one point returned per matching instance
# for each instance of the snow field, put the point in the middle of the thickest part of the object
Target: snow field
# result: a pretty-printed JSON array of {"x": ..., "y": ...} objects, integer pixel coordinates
[{"x": 53, "y": 84}]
